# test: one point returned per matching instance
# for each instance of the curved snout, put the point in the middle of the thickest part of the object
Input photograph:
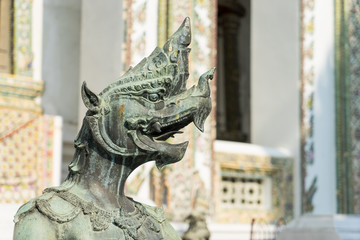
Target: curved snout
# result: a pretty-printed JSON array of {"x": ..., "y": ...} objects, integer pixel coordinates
[{"x": 193, "y": 105}]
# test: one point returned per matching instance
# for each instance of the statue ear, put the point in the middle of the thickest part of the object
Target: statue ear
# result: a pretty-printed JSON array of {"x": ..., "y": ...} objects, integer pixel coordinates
[{"x": 90, "y": 99}]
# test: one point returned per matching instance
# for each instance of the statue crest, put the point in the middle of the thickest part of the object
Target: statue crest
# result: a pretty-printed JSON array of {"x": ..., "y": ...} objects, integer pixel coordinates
[{"x": 126, "y": 125}]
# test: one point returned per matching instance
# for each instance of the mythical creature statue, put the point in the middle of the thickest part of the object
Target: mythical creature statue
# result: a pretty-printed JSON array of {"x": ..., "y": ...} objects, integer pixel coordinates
[{"x": 126, "y": 125}]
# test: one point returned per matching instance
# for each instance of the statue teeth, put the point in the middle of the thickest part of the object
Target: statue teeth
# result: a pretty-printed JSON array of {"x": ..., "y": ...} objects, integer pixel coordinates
[{"x": 157, "y": 127}]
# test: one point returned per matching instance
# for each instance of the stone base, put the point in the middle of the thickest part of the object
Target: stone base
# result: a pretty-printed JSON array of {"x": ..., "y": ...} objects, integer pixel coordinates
[{"x": 329, "y": 227}]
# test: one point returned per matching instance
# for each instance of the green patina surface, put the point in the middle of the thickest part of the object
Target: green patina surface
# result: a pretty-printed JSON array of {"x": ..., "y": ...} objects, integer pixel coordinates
[{"x": 126, "y": 125}]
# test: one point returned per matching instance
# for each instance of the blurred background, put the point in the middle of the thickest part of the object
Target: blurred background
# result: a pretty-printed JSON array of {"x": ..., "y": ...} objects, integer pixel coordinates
[{"x": 283, "y": 138}]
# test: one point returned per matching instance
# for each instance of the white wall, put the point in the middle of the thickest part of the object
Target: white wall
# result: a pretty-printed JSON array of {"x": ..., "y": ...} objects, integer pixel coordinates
[
  {"x": 324, "y": 166},
  {"x": 60, "y": 61},
  {"x": 101, "y": 43},
  {"x": 275, "y": 78}
]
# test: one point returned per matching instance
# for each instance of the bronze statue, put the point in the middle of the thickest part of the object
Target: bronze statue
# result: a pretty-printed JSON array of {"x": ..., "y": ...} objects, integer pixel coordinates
[
  {"x": 126, "y": 125},
  {"x": 198, "y": 229}
]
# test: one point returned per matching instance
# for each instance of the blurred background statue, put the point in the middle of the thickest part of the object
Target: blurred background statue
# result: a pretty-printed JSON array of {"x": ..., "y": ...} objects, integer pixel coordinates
[{"x": 198, "y": 229}]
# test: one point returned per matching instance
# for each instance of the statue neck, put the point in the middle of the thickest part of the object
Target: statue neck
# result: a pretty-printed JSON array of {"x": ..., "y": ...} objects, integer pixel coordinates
[{"x": 103, "y": 181}]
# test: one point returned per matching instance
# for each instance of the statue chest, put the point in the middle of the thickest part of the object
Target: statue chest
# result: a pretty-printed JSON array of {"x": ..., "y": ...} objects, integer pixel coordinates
[
  {"x": 76, "y": 218},
  {"x": 82, "y": 228}
]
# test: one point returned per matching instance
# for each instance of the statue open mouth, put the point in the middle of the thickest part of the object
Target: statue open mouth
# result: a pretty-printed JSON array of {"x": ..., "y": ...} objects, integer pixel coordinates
[
  {"x": 192, "y": 105},
  {"x": 172, "y": 125}
]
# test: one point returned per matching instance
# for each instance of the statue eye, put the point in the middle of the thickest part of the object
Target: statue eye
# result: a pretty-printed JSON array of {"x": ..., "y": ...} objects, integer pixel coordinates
[{"x": 154, "y": 97}]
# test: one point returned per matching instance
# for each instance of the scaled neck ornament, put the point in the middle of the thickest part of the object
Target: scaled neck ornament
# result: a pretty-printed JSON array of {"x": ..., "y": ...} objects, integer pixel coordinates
[{"x": 126, "y": 125}]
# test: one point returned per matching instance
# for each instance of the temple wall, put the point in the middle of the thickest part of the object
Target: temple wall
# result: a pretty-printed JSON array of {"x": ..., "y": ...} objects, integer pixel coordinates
[
  {"x": 324, "y": 165},
  {"x": 347, "y": 82},
  {"x": 101, "y": 44},
  {"x": 78, "y": 46},
  {"x": 60, "y": 61},
  {"x": 275, "y": 75},
  {"x": 30, "y": 141},
  {"x": 296, "y": 108},
  {"x": 60, "y": 68}
]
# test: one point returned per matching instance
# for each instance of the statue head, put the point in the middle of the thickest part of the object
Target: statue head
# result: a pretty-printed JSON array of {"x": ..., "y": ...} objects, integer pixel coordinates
[{"x": 133, "y": 117}]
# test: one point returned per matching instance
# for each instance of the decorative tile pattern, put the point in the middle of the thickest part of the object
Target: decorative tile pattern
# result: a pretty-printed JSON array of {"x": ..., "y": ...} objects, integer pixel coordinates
[
  {"x": 26, "y": 140},
  {"x": 354, "y": 44},
  {"x": 347, "y": 105},
  {"x": 25, "y": 156},
  {"x": 279, "y": 170},
  {"x": 22, "y": 52},
  {"x": 135, "y": 32},
  {"x": 17, "y": 103},
  {"x": 307, "y": 79},
  {"x": 198, "y": 157},
  {"x": 13, "y": 121},
  {"x": 26, "y": 136},
  {"x": 186, "y": 192},
  {"x": 18, "y": 92},
  {"x": 163, "y": 22},
  {"x": 307, "y": 96}
]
